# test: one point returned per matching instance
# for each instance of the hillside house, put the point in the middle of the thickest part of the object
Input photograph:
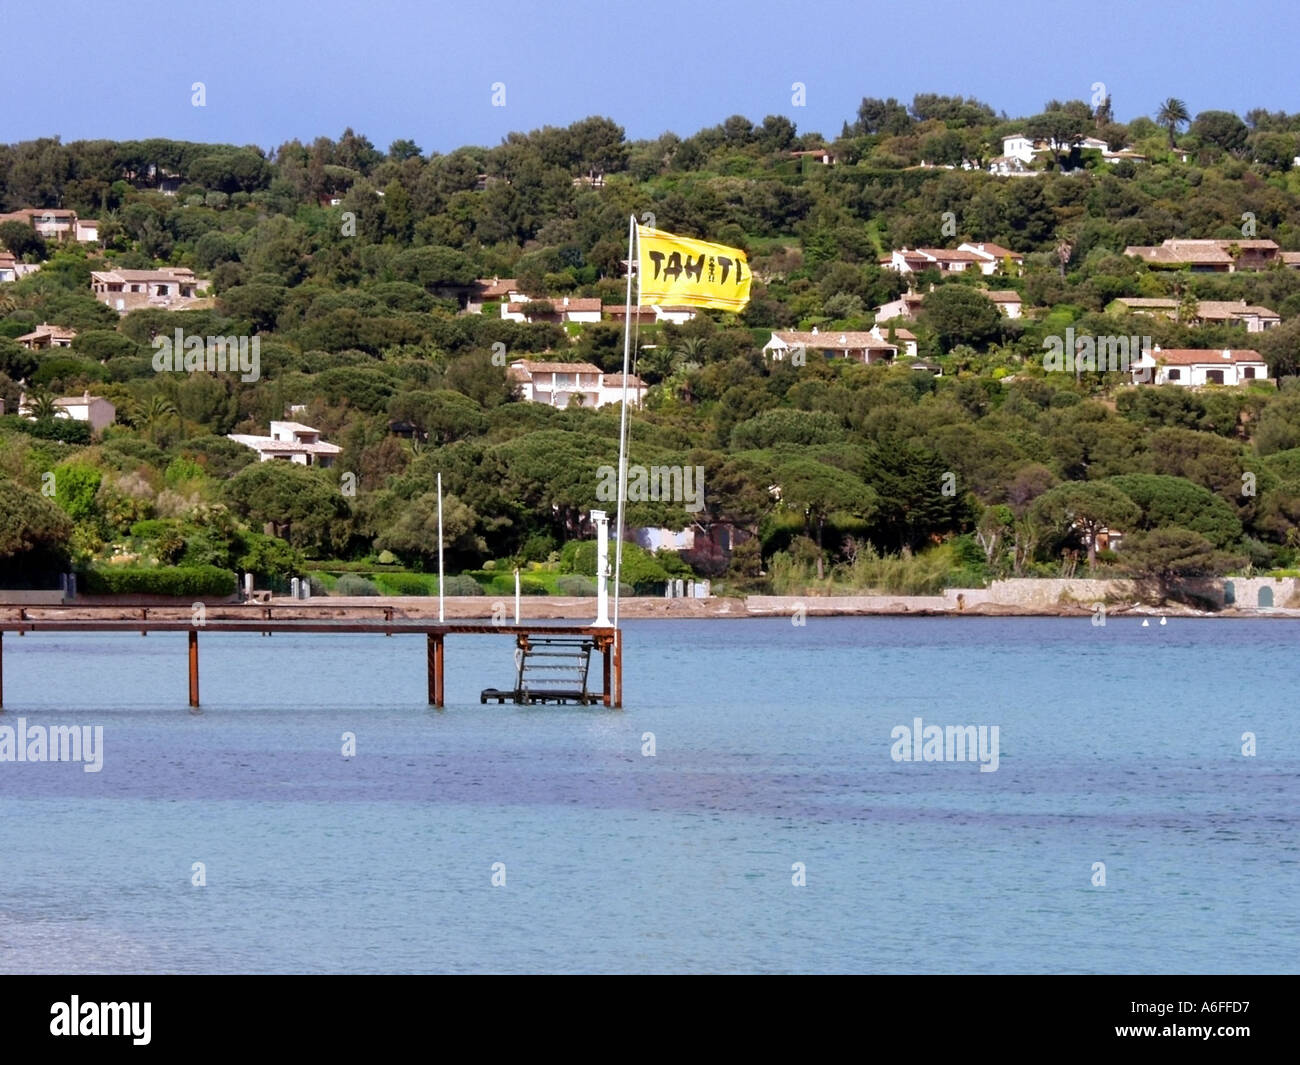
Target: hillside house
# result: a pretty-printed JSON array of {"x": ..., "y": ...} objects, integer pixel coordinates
[
  {"x": 648, "y": 314},
  {"x": 993, "y": 257},
  {"x": 493, "y": 290},
  {"x": 1008, "y": 302},
  {"x": 1209, "y": 256},
  {"x": 945, "y": 260},
  {"x": 56, "y": 224},
  {"x": 1194, "y": 368},
  {"x": 1256, "y": 319},
  {"x": 867, "y": 348},
  {"x": 903, "y": 339},
  {"x": 95, "y": 410},
  {"x": 557, "y": 384},
  {"x": 907, "y": 306},
  {"x": 172, "y": 288},
  {"x": 559, "y": 309},
  {"x": 46, "y": 336},
  {"x": 291, "y": 442}
]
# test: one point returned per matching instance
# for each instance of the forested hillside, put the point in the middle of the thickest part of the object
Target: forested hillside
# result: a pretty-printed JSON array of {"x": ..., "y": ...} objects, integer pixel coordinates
[{"x": 351, "y": 264}]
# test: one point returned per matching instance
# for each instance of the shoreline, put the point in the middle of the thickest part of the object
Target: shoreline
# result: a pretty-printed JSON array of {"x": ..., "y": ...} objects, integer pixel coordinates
[{"x": 556, "y": 608}]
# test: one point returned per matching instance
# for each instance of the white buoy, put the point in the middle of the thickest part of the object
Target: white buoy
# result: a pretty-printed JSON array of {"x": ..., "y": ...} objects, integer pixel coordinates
[
  {"x": 1162, "y": 620},
  {"x": 1145, "y": 623}
]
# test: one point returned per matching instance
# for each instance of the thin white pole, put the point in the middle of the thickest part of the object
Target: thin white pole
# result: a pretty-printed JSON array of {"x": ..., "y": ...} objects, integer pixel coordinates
[
  {"x": 516, "y": 597},
  {"x": 602, "y": 568},
  {"x": 622, "y": 429},
  {"x": 441, "y": 615}
]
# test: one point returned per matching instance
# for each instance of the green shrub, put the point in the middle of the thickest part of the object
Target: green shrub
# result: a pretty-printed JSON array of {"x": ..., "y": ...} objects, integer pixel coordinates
[
  {"x": 153, "y": 528},
  {"x": 575, "y": 584},
  {"x": 65, "y": 430},
  {"x": 504, "y": 584},
  {"x": 407, "y": 584},
  {"x": 351, "y": 584},
  {"x": 462, "y": 584},
  {"x": 188, "y": 581}
]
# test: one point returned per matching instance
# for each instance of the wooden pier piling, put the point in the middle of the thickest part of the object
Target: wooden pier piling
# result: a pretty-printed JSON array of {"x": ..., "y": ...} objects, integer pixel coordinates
[
  {"x": 261, "y": 620},
  {"x": 436, "y": 661}
]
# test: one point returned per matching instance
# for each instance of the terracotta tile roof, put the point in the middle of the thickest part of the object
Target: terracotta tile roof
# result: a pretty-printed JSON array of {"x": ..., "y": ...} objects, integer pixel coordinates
[
  {"x": 177, "y": 273},
  {"x": 561, "y": 304},
  {"x": 1225, "y": 309},
  {"x": 997, "y": 250},
  {"x": 1004, "y": 295},
  {"x": 950, "y": 254},
  {"x": 266, "y": 443},
  {"x": 496, "y": 287},
  {"x": 833, "y": 341},
  {"x": 1179, "y": 250},
  {"x": 55, "y": 331},
  {"x": 1154, "y": 303},
  {"x": 1210, "y": 356},
  {"x": 530, "y": 367}
]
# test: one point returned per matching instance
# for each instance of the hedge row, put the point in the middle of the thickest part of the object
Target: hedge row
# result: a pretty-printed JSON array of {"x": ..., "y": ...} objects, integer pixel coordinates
[
  {"x": 67, "y": 430},
  {"x": 188, "y": 581},
  {"x": 576, "y": 584}
]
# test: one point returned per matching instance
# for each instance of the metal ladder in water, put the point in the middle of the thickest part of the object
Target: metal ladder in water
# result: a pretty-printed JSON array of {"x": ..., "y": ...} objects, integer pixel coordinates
[{"x": 553, "y": 669}]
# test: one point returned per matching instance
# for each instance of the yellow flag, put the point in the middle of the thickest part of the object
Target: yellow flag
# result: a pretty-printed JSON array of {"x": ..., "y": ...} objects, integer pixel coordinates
[{"x": 693, "y": 273}]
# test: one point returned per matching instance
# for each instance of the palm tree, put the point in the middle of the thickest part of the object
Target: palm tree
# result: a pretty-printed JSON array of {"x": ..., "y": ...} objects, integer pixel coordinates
[
  {"x": 1064, "y": 250},
  {"x": 1172, "y": 114},
  {"x": 42, "y": 405},
  {"x": 153, "y": 415},
  {"x": 690, "y": 349}
]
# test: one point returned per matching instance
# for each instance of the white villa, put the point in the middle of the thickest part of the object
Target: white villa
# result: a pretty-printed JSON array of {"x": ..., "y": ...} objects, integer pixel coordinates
[
  {"x": 96, "y": 410},
  {"x": 1194, "y": 367},
  {"x": 562, "y": 309},
  {"x": 557, "y": 384},
  {"x": 1018, "y": 152},
  {"x": 869, "y": 348},
  {"x": 648, "y": 314},
  {"x": 984, "y": 256},
  {"x": 291, "y": 442}
]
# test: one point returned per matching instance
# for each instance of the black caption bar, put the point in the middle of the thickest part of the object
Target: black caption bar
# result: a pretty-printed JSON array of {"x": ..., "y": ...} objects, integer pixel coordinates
[{"x": 334, "y": 1014}]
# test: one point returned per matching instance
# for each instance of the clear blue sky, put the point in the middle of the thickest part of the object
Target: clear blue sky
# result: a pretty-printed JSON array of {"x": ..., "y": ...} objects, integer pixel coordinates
[{"x": 279, "y": 69}]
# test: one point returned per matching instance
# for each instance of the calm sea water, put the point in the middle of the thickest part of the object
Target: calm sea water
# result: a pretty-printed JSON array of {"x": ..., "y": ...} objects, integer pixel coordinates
[{"x": 1120, "y": 745}]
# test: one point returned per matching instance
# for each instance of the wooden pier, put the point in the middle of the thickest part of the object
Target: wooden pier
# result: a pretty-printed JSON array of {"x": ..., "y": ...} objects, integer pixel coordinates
[{"x": 606, "y": 640}]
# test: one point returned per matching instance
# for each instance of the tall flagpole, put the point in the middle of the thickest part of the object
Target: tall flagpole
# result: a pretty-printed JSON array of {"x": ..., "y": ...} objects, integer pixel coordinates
[
  {"x": 440, "y": 578},
  {"x": 622, "y": 429}
]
